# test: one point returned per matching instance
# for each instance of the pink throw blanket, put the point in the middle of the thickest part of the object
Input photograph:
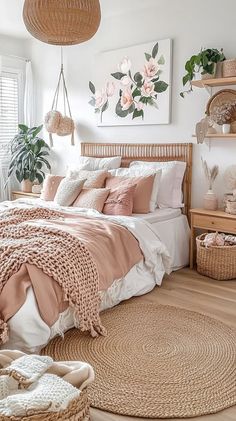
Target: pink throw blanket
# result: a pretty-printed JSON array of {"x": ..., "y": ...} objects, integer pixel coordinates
[{"x": 66, "y": 260}]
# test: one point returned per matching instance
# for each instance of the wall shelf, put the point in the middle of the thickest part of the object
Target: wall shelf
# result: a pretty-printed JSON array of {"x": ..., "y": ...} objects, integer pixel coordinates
[
  {"x": 223, "y": 81},
  {"x": 231, "y": 136}
]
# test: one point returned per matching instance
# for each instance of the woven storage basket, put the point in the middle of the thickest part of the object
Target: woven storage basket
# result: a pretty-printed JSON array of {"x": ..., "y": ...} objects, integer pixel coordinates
[
  {"x": 217, "y": 262},
  {"x": 229, "y": 68},
  {"x": 230, "y": 206},
  {"x": 77, "y": 410}
]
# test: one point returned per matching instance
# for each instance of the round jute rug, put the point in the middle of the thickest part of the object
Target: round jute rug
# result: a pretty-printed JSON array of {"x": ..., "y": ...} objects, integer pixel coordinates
[{"x": 156, "y": 362}]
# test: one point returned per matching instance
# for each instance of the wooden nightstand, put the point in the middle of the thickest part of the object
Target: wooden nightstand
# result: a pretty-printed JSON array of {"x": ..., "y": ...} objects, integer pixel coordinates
[
  {"x": 21, "y": 194},
  {"x": 210, "y": 221}
]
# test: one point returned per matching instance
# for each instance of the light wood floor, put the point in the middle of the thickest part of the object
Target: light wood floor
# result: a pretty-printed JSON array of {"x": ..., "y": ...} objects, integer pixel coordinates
[{"x": 188, "y": 289}]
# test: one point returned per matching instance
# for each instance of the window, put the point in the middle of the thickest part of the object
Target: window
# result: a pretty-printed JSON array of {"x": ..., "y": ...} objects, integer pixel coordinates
[{"x": 10, "y": 81}]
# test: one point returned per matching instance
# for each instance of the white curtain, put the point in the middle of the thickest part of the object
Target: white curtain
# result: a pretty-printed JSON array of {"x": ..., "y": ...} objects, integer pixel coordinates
[
  {"x": 4, "y": 190},
  {"x": 29, "y": 106}
]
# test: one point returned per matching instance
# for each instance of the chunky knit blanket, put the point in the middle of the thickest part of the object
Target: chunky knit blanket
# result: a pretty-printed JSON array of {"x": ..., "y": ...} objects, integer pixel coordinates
[{"x": 58, "y": 254}]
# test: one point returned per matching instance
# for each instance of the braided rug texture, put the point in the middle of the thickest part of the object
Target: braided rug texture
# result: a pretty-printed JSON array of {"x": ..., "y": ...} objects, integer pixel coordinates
[
  {"x": 59, "y": 254},
  {"x": 157, "y": 362}
]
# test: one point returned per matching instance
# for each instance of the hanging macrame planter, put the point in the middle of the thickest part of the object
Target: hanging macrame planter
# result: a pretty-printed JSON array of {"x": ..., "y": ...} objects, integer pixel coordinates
[
  {"x": 62, "y": 22},
  {"x": 55, "y": 122}
]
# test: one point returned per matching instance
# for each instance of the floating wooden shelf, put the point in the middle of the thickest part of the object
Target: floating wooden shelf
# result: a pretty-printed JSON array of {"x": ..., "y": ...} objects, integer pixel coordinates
[
  {"x": 223, "y": 81},
  {"x": 220, "y": 136}
]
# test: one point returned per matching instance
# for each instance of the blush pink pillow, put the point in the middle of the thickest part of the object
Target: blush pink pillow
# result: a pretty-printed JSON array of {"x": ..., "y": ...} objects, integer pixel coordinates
[
  {"x": 50, "y": 186},
  {"x": 92, "y": 199},
  {"x": 142, "y": 192},
  {"x": 120, "y": 201}
]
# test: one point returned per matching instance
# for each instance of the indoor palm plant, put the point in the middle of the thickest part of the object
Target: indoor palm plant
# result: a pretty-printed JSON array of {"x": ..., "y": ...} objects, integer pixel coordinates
[
  {"x": 204, "y": 63},
  {"x": 28, "y": 157}
]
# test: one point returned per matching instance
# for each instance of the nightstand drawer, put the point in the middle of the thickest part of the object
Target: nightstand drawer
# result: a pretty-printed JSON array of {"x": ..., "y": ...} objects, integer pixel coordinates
[{"x": 214, "y": 223}]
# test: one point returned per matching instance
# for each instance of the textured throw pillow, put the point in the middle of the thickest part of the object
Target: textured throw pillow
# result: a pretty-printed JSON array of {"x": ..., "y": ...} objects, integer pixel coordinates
[
  {"x": 170, "y": 194},
  {"x": 50, "y": 187},
  {"x": 91, "y": 163},
  {"x": 92, "y": 199},
  {"x": 67, "y": 191},
  {"x": 120, "y": 201},
  {"x": 143, "y": 191},
  {"x": 94, "y": 179},
  {"x": 143, "y": 172}
]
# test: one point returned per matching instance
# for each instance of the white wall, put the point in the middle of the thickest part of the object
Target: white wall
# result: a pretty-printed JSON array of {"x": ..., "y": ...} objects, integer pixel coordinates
[
  {"x": 192, "y": 25},
  {"x": 13, "y": 46}
]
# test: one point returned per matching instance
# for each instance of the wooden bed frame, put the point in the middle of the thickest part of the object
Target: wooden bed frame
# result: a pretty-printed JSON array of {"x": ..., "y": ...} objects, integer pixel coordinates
[{"x": 147, "y": 152}]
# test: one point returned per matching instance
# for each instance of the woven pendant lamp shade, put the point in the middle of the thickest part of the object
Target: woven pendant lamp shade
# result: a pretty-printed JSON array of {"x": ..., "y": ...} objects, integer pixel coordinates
[{"x": 62, "y": 22}]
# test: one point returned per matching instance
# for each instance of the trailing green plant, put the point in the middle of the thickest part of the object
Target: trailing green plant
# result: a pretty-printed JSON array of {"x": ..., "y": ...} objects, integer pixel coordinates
[
  {"x": 28, "y": 155},
  {"x": 204, "y": 62}
]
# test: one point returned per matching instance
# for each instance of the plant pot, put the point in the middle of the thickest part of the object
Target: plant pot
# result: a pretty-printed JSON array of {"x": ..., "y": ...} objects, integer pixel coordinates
[
  {"x": 209, "y": 75},
  {"x": 210, "y": 201},
  {"x": 26, "y": 186}
]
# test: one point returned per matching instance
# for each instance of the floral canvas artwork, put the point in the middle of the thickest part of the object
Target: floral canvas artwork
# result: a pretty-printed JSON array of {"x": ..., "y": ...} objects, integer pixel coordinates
[{"x": 132, "y": 86}]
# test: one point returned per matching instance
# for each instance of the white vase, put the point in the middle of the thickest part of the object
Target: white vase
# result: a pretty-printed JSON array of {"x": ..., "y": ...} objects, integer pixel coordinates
[
  {"x": 210, "y": 201},
  {"x": 226, "y": 128}
]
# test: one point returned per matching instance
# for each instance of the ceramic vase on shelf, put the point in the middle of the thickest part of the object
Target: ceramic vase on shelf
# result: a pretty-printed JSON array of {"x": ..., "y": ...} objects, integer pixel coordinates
[
  {"x": 226, "y": 128},
  {"x": 26, "y": 186},
  {"x": 210, "y": 201}
]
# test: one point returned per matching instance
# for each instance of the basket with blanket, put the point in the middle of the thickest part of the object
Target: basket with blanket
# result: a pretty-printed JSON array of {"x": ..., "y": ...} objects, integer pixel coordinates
[
  {"x": 216, "y": 256},
  {"x": 34, "y": 387}
]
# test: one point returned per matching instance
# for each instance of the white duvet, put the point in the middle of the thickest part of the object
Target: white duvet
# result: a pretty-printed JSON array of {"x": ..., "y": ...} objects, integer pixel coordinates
[{"x": 29, "y": 333}]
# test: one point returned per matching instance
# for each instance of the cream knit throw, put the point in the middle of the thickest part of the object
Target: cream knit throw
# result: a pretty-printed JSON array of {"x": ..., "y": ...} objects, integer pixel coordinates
[{"x": 59, "y": 254}]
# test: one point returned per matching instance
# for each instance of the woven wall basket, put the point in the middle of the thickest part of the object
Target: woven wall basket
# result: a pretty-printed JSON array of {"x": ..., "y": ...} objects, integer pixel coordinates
[{"x": 62, "y": 22}]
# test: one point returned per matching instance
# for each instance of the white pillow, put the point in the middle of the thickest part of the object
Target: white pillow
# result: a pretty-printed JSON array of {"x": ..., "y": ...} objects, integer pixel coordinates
[
  {"x": 92, "y": 164},
  {"x": 170, "y": 192},
  {"x": 141, "y": 171},
  {"x": 68, "y": 191}
]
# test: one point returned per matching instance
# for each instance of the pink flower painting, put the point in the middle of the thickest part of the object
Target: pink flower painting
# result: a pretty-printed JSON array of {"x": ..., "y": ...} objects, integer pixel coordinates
[{"x": 135, "y": 90}]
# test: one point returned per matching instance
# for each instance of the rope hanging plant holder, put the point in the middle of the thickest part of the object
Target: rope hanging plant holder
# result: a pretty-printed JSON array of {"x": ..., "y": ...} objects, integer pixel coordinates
[{"x": 55, "y": 122}]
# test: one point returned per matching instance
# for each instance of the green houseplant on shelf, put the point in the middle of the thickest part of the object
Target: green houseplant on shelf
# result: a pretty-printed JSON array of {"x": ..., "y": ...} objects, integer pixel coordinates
[
  {"x": 204, "y": 63},
  {"x": 29, "y": 157}
]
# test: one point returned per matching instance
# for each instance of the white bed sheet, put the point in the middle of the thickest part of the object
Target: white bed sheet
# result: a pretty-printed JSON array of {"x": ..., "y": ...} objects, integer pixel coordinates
[
  {"x": 30, "y": 334},
  {"x": 159, "y": 215}
]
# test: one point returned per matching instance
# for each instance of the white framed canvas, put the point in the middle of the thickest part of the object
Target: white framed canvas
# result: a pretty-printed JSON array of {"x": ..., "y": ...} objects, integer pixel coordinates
[{"x": 132, "y": 85}]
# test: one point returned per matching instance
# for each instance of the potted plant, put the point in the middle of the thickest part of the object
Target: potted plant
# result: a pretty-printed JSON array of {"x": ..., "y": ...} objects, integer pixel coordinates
[
  {"x": 204, "y": 63},
  {"x": 28, "y": 157}
]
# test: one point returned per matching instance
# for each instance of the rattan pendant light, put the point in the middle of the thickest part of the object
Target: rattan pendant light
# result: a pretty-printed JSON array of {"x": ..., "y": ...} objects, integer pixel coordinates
[{"x": 62, "y": 22}]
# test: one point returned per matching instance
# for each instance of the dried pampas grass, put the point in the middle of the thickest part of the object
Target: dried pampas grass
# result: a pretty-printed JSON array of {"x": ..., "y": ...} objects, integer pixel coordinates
[{"x": 210, "y": 173}]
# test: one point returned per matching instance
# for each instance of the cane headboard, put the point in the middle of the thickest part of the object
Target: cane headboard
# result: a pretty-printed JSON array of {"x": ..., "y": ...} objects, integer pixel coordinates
[{"x": 147, "y": 152}]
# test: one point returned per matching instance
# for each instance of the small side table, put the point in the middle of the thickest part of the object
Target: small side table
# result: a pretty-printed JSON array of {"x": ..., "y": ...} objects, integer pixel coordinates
[
  {"x": 209, "y": 221},
  {"x": 21, "y": 194}
]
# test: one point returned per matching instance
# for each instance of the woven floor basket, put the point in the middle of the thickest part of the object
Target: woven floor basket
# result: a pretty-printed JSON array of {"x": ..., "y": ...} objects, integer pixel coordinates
[
  {"x": 78, "y": 410},
  {"x": 217, "y": 262}
]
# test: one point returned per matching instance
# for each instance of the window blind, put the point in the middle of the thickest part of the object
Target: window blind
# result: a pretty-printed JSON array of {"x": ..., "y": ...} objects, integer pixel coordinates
[{"x": 9, "y": 110}]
